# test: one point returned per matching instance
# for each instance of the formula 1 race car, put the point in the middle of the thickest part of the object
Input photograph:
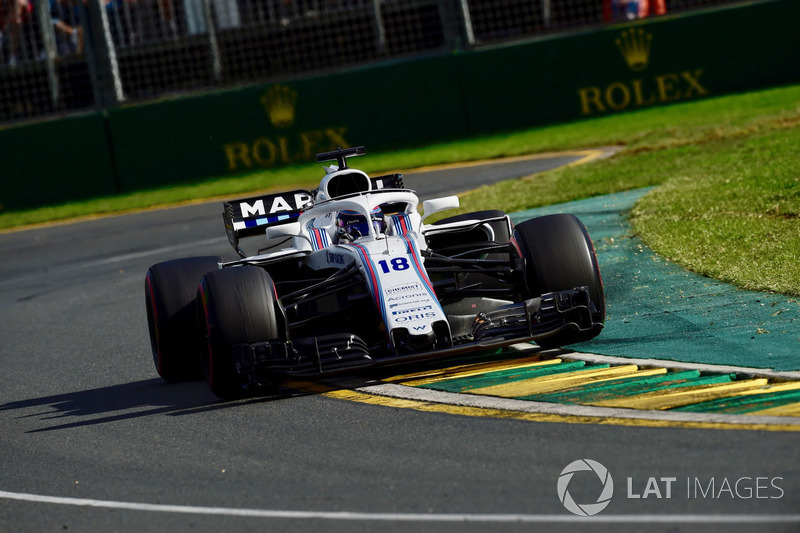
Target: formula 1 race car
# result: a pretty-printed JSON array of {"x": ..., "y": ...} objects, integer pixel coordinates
[{"x": 350, "y": 276}]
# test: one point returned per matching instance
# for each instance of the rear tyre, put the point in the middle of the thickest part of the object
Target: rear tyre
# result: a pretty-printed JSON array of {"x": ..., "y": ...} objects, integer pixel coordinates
[
  {"x": 170, "y": 291},
  {"x": 559, "y": 255},
  {"x": 236, "y": 306}
]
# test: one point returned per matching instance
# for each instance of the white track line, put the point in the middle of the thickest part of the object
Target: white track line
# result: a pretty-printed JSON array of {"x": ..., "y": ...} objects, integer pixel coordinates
[
  {"x": 166, "y": 251},
  {"x": 170, "y": 250},
  {"x": 407, "y": 517},
  {"x": 528, "y": 406},
  {"x": 721, "y": 369},
  {"x": 664, "y": 363},
  {"x": 510, "y": 404}
]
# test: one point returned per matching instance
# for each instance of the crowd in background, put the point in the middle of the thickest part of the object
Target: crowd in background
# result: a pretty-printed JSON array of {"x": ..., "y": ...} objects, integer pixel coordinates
[
  {"x": 620, "y": 10},
  {"x": 133, "y": 22},
  {"x": 60, "y": 56}
]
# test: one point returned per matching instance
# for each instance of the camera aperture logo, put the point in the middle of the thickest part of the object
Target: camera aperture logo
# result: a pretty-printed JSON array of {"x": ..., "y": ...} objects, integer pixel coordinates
[
  {"x": 585, "y": 509},
  {"x": 710, "y": 489}
]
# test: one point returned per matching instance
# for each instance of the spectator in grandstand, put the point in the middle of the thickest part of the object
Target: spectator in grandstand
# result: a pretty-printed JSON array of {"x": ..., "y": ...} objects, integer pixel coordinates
[
  {"x": 195, "y": 17},
  {"x": 127, "y": 20},
  {"x": 66, "y": 24},
  {"x": 225, "y": 12},
  {"x": 619, "y": 10},
  {"x": 117, "y": 22},
  {"x": 652, "y": 7},
  {"x": 13, "y": 14},
  {"x": 166, "y": 9}
]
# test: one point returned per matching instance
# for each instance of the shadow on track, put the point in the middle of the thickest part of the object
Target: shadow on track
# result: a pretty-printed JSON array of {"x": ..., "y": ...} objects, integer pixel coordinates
[
  {"x": 127, "y": 401},
  {"x": 152, "y": 397}
]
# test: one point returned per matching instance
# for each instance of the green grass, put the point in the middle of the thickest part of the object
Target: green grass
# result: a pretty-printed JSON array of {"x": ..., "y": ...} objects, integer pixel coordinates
[
  {"x": 658, "y": 141},
  {"x": 727, "y": 205},
  {"x": 732, "y": 212},
  {"x": 648, "y": 130}
]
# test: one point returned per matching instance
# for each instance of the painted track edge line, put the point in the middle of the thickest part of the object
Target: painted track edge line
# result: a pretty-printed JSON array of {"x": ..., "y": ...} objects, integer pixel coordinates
[
  {"x": 670, "y": 364},
  {"x": 400, "y": 517},
  {"x": 509, "y": 404},
  {"x": 586, "y": 155}
]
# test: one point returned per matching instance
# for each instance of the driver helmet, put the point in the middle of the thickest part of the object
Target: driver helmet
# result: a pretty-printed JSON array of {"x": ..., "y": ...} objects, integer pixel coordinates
[{"x": 354, "y": 224}]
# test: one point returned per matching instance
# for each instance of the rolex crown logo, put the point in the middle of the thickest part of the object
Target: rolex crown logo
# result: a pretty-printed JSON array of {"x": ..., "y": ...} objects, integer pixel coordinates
[
  {"x": 635, "y": 47},
  {"x": 279, "y": 102}
]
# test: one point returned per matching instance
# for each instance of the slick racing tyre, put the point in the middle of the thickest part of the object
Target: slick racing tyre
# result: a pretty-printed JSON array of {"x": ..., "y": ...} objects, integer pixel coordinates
[
  {"x": 170, "y": 291},
  {"x": 559, "y": 255},
  {"x": 236, "y": 306}
]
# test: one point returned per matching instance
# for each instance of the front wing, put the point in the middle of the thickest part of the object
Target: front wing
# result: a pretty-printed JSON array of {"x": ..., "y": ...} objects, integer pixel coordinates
[{"x": 531, "y": 320}]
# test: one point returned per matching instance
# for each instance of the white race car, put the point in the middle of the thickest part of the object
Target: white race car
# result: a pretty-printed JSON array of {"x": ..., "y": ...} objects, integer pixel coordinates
[{"x": 350, "y": 275}]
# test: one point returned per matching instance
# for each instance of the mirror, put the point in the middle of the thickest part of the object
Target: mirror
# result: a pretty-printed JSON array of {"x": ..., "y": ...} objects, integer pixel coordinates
[{"x": 430, "y": 207}]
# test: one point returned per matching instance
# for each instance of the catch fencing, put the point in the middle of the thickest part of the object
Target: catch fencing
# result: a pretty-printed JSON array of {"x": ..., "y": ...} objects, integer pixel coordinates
[{"x": 59, "y": 56}]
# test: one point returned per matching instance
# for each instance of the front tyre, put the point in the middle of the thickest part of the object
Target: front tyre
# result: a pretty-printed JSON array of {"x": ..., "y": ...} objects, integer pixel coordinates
[
  {"x": 559, "y": 255},
  {"x": 170, "y": 289},
  {"x": 236, "y": 306}
]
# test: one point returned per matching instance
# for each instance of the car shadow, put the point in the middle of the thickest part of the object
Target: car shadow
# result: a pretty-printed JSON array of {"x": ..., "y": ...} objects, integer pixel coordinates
[
  {"x": 154, "y": 397},
  {"x": 129, "y": 401}
]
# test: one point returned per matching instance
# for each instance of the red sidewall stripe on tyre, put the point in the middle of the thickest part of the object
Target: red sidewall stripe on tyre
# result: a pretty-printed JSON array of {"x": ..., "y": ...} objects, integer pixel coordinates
[
  {"x": 149, "y": 283},
  {"x": 204, "y": 299}
]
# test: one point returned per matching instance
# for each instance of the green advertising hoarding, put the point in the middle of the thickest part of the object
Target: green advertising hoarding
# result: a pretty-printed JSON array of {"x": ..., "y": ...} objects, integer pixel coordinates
[
  {"x": 651, "y": 62},
  {"x": 55, "y": 161},
  {"x": 263, "y": 127}
]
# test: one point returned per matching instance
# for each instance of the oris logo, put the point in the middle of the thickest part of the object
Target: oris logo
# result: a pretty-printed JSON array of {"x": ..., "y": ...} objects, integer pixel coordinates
[{"x": 416, "y": 318}]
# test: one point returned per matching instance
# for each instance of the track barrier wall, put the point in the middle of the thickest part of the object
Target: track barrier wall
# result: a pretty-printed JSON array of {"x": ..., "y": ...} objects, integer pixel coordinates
[
  {"x": 402, "y": 103},
  {"x": 269, "y": 126},
  {"x": 56, "y": 161}
]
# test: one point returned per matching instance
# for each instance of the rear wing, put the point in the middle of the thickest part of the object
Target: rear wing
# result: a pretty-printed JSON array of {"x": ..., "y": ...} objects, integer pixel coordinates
[
  {"x": 252, "y": 216},
  {"x": 249, "y": 217}
]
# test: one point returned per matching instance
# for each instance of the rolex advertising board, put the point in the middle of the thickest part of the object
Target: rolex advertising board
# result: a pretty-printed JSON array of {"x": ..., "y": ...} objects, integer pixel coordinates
[
  {"x": 663, "y": 60},
  {"x": 286, "y": 123},
  {"x": 652, "y": 62}
]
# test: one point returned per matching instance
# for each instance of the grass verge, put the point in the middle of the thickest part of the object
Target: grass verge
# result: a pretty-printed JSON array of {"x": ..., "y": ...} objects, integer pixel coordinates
[
  {"x": 646, "y": 130},
  {"x": 728, "y": 205},
  {"x": 732, "y": 212}
]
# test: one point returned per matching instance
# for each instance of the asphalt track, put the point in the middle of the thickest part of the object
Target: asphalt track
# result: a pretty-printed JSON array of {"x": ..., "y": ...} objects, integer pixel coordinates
[{"x": 92, "y": 440}]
